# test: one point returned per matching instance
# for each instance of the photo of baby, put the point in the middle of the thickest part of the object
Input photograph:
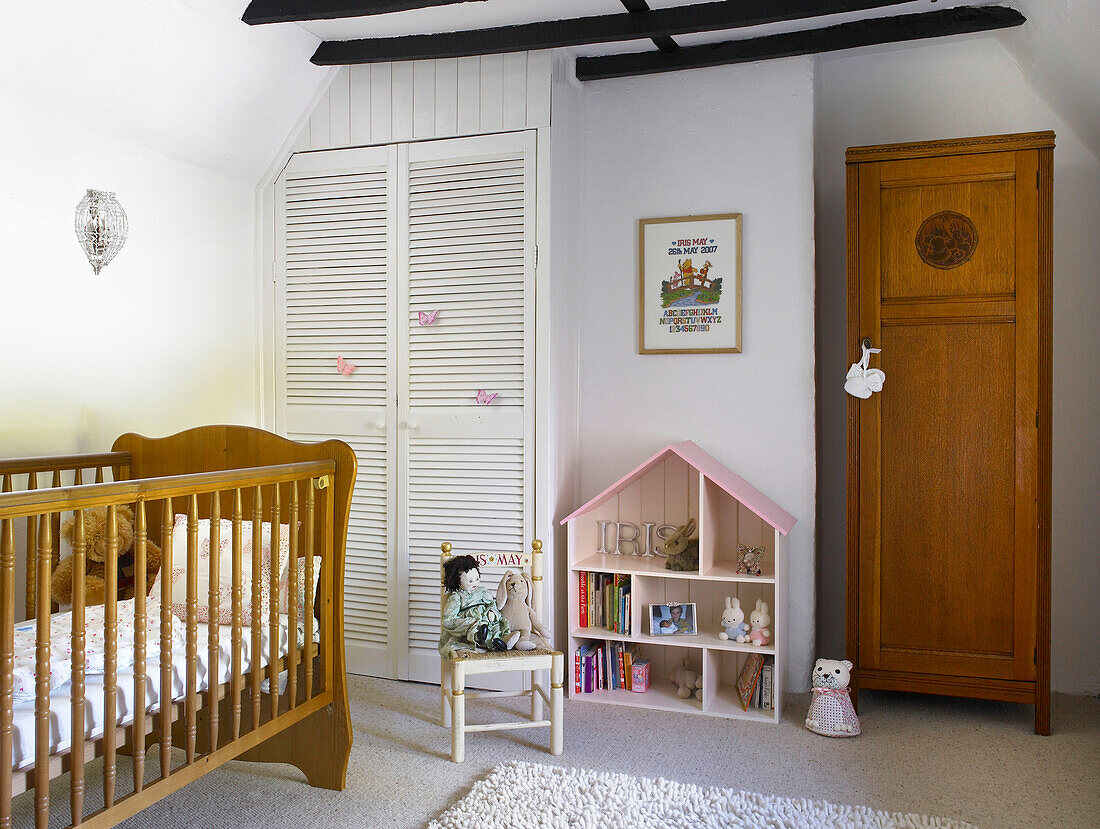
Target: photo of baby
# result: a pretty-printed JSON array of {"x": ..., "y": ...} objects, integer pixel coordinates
[{"x": 672, "y": 619}]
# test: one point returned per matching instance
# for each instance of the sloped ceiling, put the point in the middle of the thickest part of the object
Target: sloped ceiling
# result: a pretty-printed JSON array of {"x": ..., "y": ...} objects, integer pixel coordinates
[
  {"x": 1058, "y": 50},
  {"x": 184, "y": 77}
]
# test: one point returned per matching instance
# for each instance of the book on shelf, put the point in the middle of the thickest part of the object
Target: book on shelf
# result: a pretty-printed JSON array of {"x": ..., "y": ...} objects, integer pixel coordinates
[
  {"x": 604, "y": 601},
  {"x": 604, "y": 666},
  {"x": 747, "y": 679},
  {"x": 755, "y": 683}
]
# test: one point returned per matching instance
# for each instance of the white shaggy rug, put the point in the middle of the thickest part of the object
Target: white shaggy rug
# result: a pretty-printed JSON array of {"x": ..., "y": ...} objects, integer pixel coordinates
[{"x": 532, "y": 795}]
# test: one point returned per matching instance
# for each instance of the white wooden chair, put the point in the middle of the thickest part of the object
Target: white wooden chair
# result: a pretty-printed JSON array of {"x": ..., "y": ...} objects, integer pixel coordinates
[{"x": 454, "y": 670}]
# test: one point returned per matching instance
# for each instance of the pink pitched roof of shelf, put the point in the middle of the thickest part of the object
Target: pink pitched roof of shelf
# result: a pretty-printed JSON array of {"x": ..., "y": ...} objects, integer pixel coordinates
[{"x": 734, "y": 485}]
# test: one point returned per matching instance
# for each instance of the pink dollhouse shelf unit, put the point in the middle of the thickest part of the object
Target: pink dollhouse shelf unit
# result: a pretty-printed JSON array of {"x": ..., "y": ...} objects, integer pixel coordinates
[{"x": 679, "y": 483}]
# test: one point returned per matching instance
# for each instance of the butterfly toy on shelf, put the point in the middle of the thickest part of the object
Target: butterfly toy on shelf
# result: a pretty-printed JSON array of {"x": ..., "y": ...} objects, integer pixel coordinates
[
  {"x": 344, "y": 367},
  {"x": 427, "y": 317},
  {"x": 485, "y": 398}
]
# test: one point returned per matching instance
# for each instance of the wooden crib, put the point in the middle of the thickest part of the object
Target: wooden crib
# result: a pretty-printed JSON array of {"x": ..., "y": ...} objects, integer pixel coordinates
[{"x": 301, "y": 716}]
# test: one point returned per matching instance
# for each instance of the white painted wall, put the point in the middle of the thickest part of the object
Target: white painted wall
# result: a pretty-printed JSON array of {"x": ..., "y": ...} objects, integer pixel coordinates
[
  {"x": 961, "y": 87},
  {"x": 163, "y": 338},
  {"x": 731, "y": 139},
  {"x": 179, "y": 108}
]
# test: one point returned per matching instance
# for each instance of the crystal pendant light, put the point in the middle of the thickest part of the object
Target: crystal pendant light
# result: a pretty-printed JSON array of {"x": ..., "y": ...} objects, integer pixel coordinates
[{"x": 101, "y": 227}]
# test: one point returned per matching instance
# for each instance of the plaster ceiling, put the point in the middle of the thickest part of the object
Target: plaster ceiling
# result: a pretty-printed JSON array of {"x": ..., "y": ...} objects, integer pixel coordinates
[{"x": 184, "y": 77}]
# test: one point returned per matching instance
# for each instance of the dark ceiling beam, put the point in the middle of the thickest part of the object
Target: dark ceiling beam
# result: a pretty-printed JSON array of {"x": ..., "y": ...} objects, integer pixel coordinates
[
  {"x": 663, "y": 42},
  {"x": 955, "y": 21},
  {"x": 610, "y": 28},
  {"x": 296, "y": 11}
]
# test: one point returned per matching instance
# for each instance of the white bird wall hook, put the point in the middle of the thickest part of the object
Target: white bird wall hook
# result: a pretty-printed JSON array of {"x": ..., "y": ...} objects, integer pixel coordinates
[{"x": 862, "y": 381}]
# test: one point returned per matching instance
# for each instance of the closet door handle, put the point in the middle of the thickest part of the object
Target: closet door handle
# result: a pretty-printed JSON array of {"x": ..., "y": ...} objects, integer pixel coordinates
[
  {"x": 412, "y": 425},
  {"x": 380, "y": 425}
]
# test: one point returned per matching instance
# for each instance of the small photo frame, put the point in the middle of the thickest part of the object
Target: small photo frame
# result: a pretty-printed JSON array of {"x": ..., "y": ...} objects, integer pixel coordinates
[{"x": 672, "y": 619}]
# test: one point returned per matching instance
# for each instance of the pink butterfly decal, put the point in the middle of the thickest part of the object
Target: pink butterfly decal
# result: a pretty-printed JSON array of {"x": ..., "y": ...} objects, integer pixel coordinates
[
  {"x": 344, "y": 367},
  {"x": 486, "y": 398},
  {"x": 427, "y": 317}
]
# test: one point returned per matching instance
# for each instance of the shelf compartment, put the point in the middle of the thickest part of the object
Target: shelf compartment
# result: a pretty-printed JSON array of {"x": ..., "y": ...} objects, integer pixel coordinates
[
  {"x": 709, "y": 597},
  {"x": 655, "y": 566},
  {"x": 720, "y": 687},
  {"x": 704, "y": 639}
]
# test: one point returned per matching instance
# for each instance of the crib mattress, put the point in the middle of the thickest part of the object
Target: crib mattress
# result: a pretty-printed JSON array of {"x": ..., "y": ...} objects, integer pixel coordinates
[{"x": 23, "y": 737}]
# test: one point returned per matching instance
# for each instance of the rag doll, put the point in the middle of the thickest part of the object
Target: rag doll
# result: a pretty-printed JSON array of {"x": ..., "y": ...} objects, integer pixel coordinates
[{"x": 472, "y": 621}]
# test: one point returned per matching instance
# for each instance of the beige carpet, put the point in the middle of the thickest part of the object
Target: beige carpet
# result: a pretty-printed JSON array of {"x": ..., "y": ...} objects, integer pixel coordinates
[{"x": 968, "y": 760}]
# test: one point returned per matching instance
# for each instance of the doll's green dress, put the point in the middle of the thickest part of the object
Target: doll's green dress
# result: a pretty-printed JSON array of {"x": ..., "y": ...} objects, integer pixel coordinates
[{"x": 464, "y": 613}]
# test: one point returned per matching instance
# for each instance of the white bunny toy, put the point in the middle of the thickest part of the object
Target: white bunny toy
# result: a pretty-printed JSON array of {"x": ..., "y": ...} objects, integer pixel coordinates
[
  {"x": 759, "y": 619},
  {"x": 733, "y": 620}
]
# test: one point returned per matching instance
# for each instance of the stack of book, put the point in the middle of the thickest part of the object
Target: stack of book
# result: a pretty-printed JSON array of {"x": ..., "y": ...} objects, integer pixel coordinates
[
  {"x": 605, "y": 601},
  {"x": 755, "y": 682},
  {"x": 606, "y": 666}
]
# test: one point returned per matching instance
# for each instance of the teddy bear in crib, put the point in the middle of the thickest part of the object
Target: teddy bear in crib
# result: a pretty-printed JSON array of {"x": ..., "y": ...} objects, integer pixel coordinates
[
  {"x": 733, "y": 620},
  {"x": 95, "y": 556},
  {"x": 831, "y": 711}
]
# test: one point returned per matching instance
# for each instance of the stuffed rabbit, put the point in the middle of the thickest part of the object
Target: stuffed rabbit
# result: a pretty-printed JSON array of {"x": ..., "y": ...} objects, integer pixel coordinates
[
  {"x": 733, "y": 620},
  {"x": 759, "y": 619},
  {"x": 514, "y": 600},
  {"x": 682, "y": 551}
]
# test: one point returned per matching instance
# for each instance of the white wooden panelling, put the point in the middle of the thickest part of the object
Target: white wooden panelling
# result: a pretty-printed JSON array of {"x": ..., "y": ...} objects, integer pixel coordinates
[
  {"x": 467, "y": 258},
  {"x": 468, "y": 240},
  {"x": 335, "y": 236},
  {"x": 367, "y": 238},
  {"x": 386, "y": 102}
]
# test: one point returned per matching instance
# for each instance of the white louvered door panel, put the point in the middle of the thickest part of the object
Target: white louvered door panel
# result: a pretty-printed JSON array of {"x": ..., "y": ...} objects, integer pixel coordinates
[
  {"x": 467, "y": 242},
  {"x": 336, "y": 269}
]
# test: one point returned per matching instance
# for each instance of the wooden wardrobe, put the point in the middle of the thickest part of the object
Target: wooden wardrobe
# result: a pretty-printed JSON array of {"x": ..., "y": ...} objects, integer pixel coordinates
[{"x": 949, "y": 477}]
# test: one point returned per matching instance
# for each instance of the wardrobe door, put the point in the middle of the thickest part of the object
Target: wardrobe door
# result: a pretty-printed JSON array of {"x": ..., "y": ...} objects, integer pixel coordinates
[
  {"x": 467, "y": 245},
  {"x": 951, "y": 281},
  {"x": 335, "y": 233}
]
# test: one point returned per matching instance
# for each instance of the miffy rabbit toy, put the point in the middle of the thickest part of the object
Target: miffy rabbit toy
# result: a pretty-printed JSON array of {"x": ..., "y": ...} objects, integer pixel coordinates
[
  {"x": 733, "y": 620},
  {"x": 759, "y": 619}
]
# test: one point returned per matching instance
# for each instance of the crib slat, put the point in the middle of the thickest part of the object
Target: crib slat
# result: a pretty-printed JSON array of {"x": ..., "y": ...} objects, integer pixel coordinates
[
  {"x": 309, "y": 589},
  {"x": 55, "y": 523},
  {"x": 273, "y": 608},
  {"x": 7, "y": 663},
  {"x": 7, "y": 484},
  {"x": 76, "y": 757},
  {"x": 110, "y": 667},
  {"x": 292, "y": 600},
  {"x": 191, "y": 705},
  {"x": 32, "y": 536},
  {"x": 166, "y": 526},
  {"x": 213, "y": 618},
  {"x": 141, "y": 537},
  {"x": 42, "y": 679},
  {"x": 254, "y": 661},
  {"x": 235, "y": 682}
]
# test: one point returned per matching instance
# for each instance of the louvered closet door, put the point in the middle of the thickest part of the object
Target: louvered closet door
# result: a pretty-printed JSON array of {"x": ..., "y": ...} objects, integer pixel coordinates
[
  {"x": 336, "y": 230},
  {"x": 467, "y": 242}
]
